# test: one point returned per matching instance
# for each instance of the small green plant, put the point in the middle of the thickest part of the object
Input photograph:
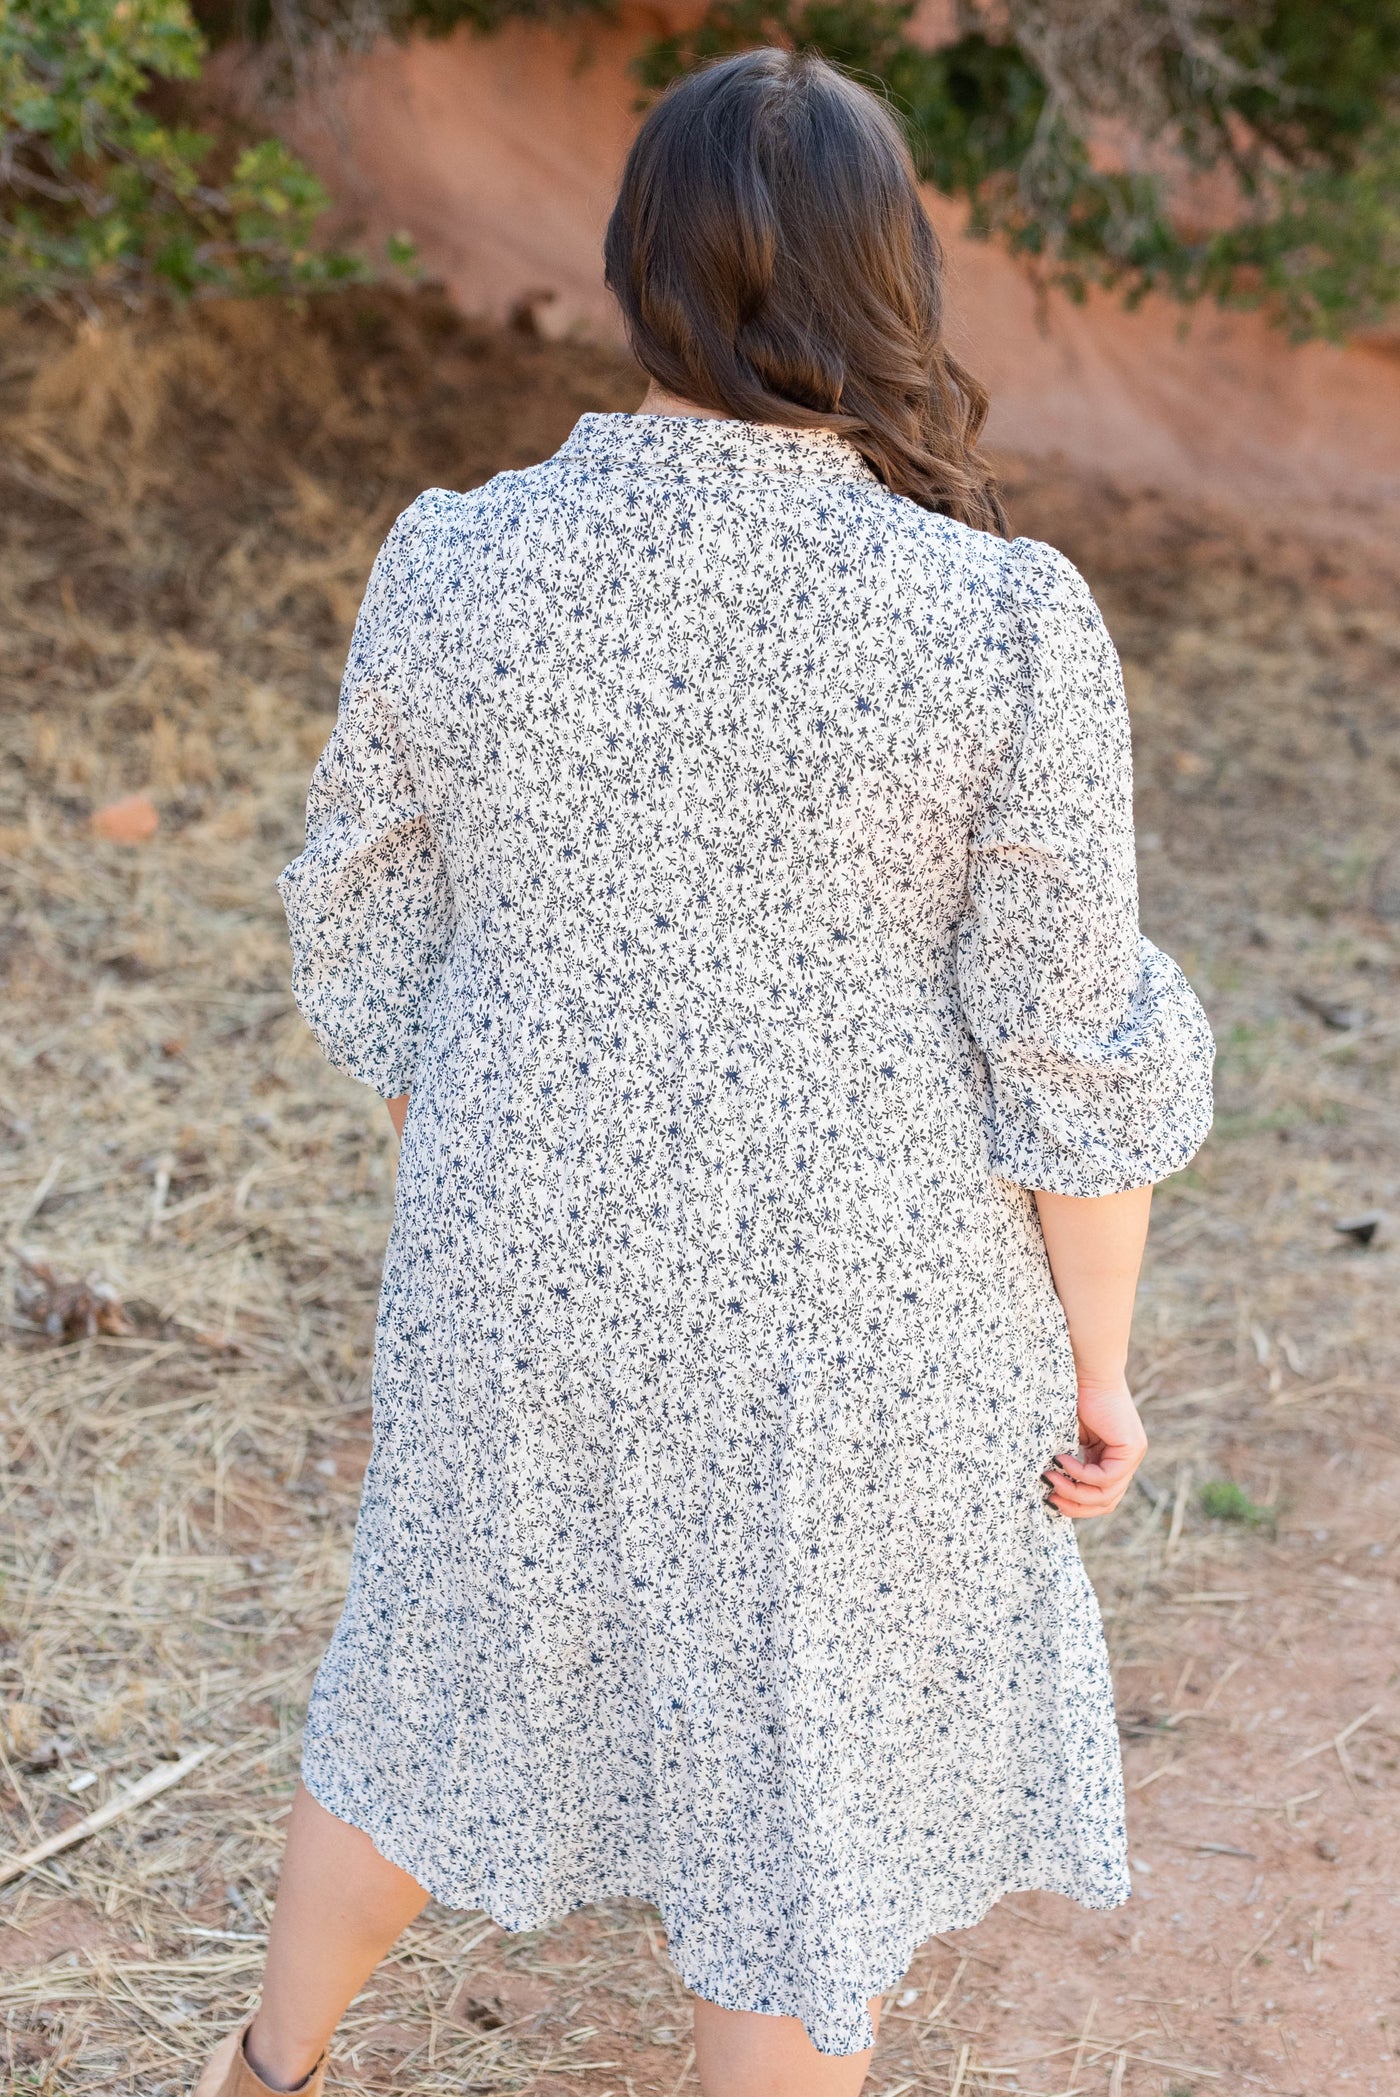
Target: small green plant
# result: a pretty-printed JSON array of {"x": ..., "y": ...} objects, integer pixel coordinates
[
  {"x": 102, "y": 192},
  {"x": 1224, "y": 1501}
]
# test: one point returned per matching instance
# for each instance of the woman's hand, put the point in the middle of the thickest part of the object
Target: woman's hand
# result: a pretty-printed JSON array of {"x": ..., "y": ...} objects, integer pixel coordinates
[{"x": 1112, "y": 1438}]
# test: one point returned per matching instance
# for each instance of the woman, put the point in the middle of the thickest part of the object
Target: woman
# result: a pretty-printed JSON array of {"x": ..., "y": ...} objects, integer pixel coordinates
[{"x": 723, "y": 858}]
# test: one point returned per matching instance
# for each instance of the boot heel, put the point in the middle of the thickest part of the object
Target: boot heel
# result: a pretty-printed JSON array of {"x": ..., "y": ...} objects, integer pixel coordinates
[{"x": 230, "y": 2074}]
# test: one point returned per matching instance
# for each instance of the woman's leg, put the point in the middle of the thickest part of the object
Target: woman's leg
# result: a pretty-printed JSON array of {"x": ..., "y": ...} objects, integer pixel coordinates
[
  {"x": 740, "y": 2053},
  {"x": 340, "y": 1907}
]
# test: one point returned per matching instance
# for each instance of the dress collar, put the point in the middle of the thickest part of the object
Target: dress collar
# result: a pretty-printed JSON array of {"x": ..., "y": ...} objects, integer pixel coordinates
[{"x": 694, "y": 444}]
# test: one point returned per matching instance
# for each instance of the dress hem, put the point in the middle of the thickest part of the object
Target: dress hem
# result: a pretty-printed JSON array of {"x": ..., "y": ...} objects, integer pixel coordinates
[{"x": 721, "y": 1995}]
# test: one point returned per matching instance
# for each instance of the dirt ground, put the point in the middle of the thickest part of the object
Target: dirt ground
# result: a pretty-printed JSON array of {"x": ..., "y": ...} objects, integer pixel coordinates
[{"x": 194, "y": 1207}]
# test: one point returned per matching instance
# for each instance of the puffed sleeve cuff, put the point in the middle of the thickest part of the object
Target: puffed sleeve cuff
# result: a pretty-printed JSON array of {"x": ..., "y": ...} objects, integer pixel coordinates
[
  {"x": 1096, "y": 1114},
  {"x": 369, "y": 910}
]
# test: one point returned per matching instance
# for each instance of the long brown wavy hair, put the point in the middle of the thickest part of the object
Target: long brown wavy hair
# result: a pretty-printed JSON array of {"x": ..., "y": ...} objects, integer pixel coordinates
[{"x": 774, "y": 262}]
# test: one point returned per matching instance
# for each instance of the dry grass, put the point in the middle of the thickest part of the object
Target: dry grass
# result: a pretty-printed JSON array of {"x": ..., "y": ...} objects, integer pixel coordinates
[{"x": 189, "y": 515}]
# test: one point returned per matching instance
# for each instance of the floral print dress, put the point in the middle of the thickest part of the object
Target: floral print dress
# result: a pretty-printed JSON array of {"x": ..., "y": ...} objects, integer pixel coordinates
[{"x": 735, "y": 862}]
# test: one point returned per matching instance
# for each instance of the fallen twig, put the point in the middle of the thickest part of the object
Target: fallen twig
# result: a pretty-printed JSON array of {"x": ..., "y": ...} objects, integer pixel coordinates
[
  {"x": 1337, "y": 1741},
  {"x": 948, "y": 1993},
  {"x": 1255, "y": 1949},
  {"x": 1162, "y": 1769},
  {"x": 148, "y": 1787}
]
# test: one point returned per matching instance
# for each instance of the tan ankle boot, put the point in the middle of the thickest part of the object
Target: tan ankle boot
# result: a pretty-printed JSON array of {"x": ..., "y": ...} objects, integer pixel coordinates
[{"x": 230, "y": 2074}]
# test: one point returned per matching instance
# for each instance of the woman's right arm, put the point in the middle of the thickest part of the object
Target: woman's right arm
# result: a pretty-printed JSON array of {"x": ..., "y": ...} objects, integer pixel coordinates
[
  {"x": 1097, "y": 1050},
  {"x": 398, "y": 1112},
  {"x": 1095, "y": 1246}
]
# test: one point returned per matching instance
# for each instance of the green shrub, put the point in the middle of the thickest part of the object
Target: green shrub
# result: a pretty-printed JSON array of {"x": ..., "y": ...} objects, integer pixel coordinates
[
  {"x": 1224, "y": 1501},
  {"x": 1291, "y": 107},
  {"x": 102, "y": 193}
]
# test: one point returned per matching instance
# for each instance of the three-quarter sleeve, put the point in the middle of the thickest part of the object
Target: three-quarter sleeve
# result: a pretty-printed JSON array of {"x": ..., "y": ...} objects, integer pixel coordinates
[
  {"x": 369, "y": 903},
  {"x": 1098, "y": 1051}
]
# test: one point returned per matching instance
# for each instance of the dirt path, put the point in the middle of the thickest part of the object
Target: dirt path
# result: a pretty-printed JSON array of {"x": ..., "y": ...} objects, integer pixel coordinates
[
  {"x": 188, "y": 522},
  {"x": 1259, "y": 1948}
]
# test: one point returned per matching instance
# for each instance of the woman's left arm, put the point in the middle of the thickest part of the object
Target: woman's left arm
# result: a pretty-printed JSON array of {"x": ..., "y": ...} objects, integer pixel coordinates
[{"x": 369, "y": 901}]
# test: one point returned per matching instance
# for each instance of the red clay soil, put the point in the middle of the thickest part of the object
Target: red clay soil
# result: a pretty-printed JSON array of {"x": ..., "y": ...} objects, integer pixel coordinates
[
  {"x": 188, "y": 522},
  {"x": 1259, "y": 1948}
]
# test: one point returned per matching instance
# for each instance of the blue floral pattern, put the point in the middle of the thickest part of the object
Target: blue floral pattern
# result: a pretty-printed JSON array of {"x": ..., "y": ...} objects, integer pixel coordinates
[{"x": 735, "y": 861}]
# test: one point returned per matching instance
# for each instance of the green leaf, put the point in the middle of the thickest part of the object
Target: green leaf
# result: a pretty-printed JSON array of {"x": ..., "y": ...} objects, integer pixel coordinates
[{"x": 101, "y": 191}]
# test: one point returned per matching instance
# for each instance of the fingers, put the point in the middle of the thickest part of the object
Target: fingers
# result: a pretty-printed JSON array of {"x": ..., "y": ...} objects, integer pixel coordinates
[
  {"x": 1082, "y": 1506},
  {"x": 1113, "y": 1445},
  {"x": 1082, "y": 1490},
  {"x": 1111, "y": 1462}
]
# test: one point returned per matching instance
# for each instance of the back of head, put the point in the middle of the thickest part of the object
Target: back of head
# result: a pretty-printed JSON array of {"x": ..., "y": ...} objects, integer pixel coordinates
[{"x": 774, "y": 262}]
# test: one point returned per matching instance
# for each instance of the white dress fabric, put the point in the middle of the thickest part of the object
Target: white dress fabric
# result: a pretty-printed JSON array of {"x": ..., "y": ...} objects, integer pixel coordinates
[{"x": 735, "y": 861}]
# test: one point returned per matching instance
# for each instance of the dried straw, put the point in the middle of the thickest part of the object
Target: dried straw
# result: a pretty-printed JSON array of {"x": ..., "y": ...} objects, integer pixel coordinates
[{"x": 190, "y": 512}]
